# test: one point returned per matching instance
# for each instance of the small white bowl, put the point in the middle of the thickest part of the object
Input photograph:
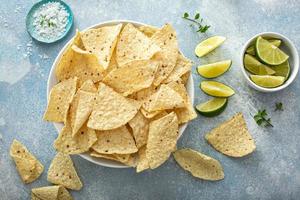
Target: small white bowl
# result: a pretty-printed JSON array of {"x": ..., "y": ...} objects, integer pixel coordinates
[
  {"x": 287, "y": 46},
  {"x": 53, "y": 81}
]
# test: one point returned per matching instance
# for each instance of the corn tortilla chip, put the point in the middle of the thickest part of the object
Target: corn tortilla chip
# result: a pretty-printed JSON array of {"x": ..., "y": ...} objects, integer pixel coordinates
[
  {"x": 111, "y": 110},
  {"x": 199, "y": 165},
  {"x": 166, "y": 39},
  {"x": 127, "y": 159},
  {"x": 140, "y": 127},
  {"x": 134, "y": 45},
  {"x": 62, "y": 172},
  {"x": 50, "y": 193},
  {"x": 163, "y": 99},
  {"x": 162, "y": 139},
  {"x": 102, "y": 42},
  {"x": 88, "y": 86},
  {"x": 232, "y": 137},
  {"x": 28, "y": 166},
  {"x": 117, "y": 141},
  {"x": 185, "y": 77},
  {"x": 60, "y": 97},
  {"x": 148, "y": 30},
  {"x": 132, "y": 76},
  {"x": 151, "y": 114},
  {"x": 142, "y": 163}
]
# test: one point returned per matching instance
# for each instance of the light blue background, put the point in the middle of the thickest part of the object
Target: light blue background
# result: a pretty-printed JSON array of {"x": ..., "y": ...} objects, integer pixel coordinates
[{"x": 271, "y": 172}]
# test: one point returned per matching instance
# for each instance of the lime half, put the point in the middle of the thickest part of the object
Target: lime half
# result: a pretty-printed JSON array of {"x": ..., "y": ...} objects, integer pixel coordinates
[
  {"x": 269, "y": 53},
  {"x": 256, "y": 67},
  {"x": 208, "y": 45},
  {"x": 282, "y": 70},
  {"x": 251, "y": 49},
  {"x": 214, "y": 70},
  {"x": 267, "y": 81},
  {"x": 212, "y": 107},
  {"x": 216, "y": 89}
]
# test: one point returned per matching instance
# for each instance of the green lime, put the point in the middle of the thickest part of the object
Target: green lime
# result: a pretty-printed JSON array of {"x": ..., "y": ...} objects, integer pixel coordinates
[
  {"x": 212, "y": 107},
  {"x": 267, "y": 81},
  {"x": 269, "y": 53},
  {"x": 256, "y": 67},
  {"x": 208, "y": 45},
  {"x": 282, "y": 70},
  {"x": 216, "y": 89},
  {"x": 251, "y": 49},
  {"x": 214, "y": 70}
]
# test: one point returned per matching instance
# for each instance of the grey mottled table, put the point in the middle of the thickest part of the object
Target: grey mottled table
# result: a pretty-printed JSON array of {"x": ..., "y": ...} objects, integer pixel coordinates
[{"x": 271, "y": 172}]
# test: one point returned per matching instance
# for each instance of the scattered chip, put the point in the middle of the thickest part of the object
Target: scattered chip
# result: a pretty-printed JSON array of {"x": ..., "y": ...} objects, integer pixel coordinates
[
  {"x": 162, "y": 139},
  {"x": 27, "y": 165},
  {"x": 140, "y": 127},
  {"x": 199, "y": 165},
  {"x": 117, "y": 141},
  {"x": 50, "y": 193},
  {"x": 148, "y": 30},
  {"x": 127, "y": 159},
  {"x": 134, "y": 45},
  {"x": 102, "y": 42},
  {"x": 111, "y": 110},
  {"x": 60, "y": 97},
  {"x": 62, "y": 172},
  {"x": 143, "y": 163},
  {"x": 132, "y": 76},
  {"x": 232, "y": 137}
]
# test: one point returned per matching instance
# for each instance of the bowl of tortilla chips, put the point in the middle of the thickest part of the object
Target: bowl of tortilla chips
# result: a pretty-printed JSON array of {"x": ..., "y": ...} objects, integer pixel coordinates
[{"x": 120, "y": 94}]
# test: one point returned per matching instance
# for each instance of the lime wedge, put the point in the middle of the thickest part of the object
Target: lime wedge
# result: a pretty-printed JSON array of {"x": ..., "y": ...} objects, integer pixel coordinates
[
  {"x": 212, "y": 107},
  {"x": 251, "y": 49},
  {"x": 256, "y": 67},
  {"x": 282, "y": 70},
  {"x": 269, "y": 53},
  {"x": 208, "y": 45},
  {"x": 214, "y": 70},
  {"x": 267, "y": 81},
  {"x": 216, "y": 89}
]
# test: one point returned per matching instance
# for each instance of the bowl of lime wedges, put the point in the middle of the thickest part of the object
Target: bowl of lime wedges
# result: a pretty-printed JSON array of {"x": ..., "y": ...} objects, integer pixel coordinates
[{"x": 269, "y": 62}]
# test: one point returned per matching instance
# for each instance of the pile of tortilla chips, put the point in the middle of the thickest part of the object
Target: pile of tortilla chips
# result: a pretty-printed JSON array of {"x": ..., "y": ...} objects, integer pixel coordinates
[{"x": 121, "y": 95}]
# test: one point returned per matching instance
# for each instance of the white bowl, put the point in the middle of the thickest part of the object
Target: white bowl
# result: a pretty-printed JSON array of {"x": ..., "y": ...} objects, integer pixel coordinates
[
  {"x": 287, "y": 46},
  {"x": 53, "y": 81}
]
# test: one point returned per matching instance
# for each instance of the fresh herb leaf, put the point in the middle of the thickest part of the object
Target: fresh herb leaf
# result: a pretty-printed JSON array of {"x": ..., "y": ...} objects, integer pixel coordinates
[
  {"x": 261, "y": 118},
  {"x": 279, "y": 106},
  {"x": 197, "y": 21}
]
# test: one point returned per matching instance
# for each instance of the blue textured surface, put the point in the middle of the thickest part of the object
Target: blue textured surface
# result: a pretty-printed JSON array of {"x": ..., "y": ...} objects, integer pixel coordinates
[{"x": 271, "y": 172}]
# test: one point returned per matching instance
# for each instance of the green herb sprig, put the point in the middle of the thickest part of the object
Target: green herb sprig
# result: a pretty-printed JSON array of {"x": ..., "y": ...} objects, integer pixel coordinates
[
  {"x": 197, "y": 21},
  {"x": 278, "y": 106},
  {"x": 261, "y": 118}
]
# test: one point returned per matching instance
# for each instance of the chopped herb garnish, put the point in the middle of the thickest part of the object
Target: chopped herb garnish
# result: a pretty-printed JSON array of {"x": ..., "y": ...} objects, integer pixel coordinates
[
  {"x": 262, "y": 119},
  {"x": 197, "y": 21},
  {"x": 279, "y": 106}
]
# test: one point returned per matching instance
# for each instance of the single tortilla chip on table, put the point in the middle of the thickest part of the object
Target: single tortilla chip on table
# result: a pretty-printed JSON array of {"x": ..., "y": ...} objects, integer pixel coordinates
[
  {"x": 101, "y": 42},
  {"x": 60, "y": 97},
  {"x": 140, "y": 127},
  {"x": 127, "y": 159},
  {"x": 134, "y": 45},
  {"x": 62, "y": 172},
  {"x": 162, "y": 139},
  {"x": 232, "y": 137},
  {"x": 111, "y": 109},
  {"x": 199, "y": 165},
  {"x": 55, "y": 192},
  {"x": 28, "y": 166},
  {"x": 132, "y": 76}
]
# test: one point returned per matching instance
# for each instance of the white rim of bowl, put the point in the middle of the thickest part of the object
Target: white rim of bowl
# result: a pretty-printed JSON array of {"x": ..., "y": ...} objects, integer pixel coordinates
[
  {"x": 58, "y": 126},
  {"x": 294, "y": 68}
]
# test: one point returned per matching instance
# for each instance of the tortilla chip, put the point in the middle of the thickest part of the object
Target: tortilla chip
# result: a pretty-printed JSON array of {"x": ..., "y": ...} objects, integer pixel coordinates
[
  {"x": 183, "y": 65},
  {"x": 88, "y": 86},
  {"x": 134, "y": 45},
  {"x": 62, "y": 172},
  {"x": 28, "y": 166},
  {"x": 142, "y": 163},
  {"x": 132, "y": 76},
  {"x": 199, "y": 165},
  {"x": 165, "y": 98},
  {"x": 60, "y": 97},
  {"x": 112, "y": 64},
  {"x": 144, "y": 94},
  {"x": 159, "y": 115},
  {"x": 232, "y": 137},
  {"x": 148, "y": 30},
  {"x": 127, "y": 159},
  {"x": 185, "y": 77},
  {"x": 166, "y": 39},
  {"x": 79, "y": 143},
  {"x": 151, "y": 114},
  {"x": 102, "y": 42},
  {"x": 111, "y": 110},
  {"x": 140, "y": 127},
  {"x": 162, "y": 139},
  {"x": 50, "y": 193},
  {"x": 117, "y": 141}
]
